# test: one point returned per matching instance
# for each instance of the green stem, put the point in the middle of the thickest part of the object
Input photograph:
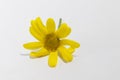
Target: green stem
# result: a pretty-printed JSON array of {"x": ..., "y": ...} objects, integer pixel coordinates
[{"x": 60, "y": 21}]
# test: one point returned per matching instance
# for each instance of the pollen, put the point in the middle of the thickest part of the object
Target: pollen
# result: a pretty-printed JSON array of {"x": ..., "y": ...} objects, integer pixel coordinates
[{"x": 52, "y": 42}]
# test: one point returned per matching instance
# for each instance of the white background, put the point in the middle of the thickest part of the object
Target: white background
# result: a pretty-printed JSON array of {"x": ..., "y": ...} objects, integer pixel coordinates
[{"x": 95, "y": 24}]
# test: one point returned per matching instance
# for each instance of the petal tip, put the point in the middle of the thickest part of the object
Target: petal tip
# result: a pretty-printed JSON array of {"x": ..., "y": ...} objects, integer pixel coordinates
[
  {"x": 51, "y": 65},
  {"x": 78, "y": 45},
  {"x": 25, "y": 46}
]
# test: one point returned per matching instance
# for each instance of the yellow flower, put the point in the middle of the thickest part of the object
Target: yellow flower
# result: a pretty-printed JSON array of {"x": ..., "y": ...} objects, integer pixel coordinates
[{"x": 51, "y": 42}]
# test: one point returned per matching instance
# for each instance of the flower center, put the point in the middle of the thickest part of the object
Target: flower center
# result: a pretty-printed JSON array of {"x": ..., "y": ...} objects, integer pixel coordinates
[{"x": 52, "y": 42}]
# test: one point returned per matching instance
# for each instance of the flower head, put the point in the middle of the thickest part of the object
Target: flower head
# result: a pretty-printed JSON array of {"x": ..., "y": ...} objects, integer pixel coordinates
[{"x": 51, "y": 42}]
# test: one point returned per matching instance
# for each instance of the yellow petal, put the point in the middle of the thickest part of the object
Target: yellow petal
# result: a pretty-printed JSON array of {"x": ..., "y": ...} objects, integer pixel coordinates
[
  {"x": 36, "y": 28},
  {"x": 63, "y": 31},
  {"x": 39, "y": 22},
  {"x": 53, "y": 58},
  {"x": 70, "y": 42},
  {"x": 35, "y": 34},
  {"x": 71, "y": 50},
  {"x": 33, "y": 45},
  {"x": 40, "y": 53},
  {"x": 40, "y": 25},
  {"x": 50, "y": 25},
  {"x": 64, "y": 54}
]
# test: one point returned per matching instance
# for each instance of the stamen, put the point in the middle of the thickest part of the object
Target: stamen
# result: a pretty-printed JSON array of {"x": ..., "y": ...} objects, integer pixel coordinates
[{"x": 51, "y": 42}]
